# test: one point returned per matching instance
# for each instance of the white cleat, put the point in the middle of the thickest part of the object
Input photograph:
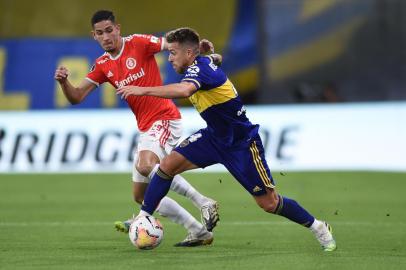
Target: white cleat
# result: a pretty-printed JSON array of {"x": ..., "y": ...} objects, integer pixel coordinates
[
  {"x": 324, "y": 235},
  {"x": 191, "y": 240},
  {"x": 210, "y": 215}
]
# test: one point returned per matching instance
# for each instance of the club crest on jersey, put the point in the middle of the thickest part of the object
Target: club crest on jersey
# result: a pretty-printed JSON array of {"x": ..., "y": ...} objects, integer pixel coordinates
[
  {"x": 130, "y": 63},
  {"x": 193, "y": 69}
]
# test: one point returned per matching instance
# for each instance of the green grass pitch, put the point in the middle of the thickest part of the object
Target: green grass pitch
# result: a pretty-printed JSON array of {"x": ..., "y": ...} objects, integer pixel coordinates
[{"x": 66, "y": 222}]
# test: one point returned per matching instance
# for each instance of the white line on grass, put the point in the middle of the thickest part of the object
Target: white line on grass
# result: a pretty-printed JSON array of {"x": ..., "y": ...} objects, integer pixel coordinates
[{"x": 229, "y": 223}]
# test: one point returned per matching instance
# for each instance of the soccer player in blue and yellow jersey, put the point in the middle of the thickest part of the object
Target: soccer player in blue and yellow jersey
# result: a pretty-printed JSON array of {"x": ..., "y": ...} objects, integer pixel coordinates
[{"x": 229, "y": 138}]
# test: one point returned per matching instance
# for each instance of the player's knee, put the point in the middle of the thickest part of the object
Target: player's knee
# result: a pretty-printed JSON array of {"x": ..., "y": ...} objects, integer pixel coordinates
[
  {"x": 166, "y": 167},
  {"x": 269, "y": 206},
  {"x": 144, "y": 169}
]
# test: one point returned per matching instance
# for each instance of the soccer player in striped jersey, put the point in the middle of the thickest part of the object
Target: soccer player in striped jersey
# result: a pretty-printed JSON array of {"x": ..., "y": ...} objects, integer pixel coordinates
[
  {"x": 229, "y": 138},
  {"x": 130, "y": 61}
]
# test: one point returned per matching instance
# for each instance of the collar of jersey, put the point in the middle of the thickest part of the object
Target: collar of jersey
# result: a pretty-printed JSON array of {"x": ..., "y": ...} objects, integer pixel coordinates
[{"x": 121, "y": 51}]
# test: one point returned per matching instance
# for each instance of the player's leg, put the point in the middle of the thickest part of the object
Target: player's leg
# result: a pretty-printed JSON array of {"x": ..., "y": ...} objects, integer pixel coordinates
[
  {"x": 161, "y": 181},
  {"x": 170, "y": 209},
  {"x": 274, "y": 203},
  {"x": 207, "y": 206},
  {"x": 143, "y": 160},
  {"x": 250, "y": 168},
  {"x": 155, "y": 198},
  {"x": 288, "y": 207},
  {"x": 140, "y": 184},
  {"x": 149, "y": 153},
  {"x": 194, "y": 152},
  {"x": 153, "y": 146},
  {"x": 173, "y": 164}
]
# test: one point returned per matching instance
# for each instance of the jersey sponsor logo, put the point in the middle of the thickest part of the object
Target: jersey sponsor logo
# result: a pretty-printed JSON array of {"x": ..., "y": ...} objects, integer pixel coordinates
[
  {"x": 193, "y": 70},
  {"x": 191, "y": 75},
  {"x": 110, "y": 74},
  {"x": 131, "y": 78},
  {"x": 130, "y": 63}
]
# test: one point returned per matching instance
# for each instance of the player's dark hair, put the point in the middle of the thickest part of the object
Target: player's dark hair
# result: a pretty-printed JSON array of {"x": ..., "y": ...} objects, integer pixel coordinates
[
  {"x": 184, "y": 35},
  {"x": 102, "y": 15}
]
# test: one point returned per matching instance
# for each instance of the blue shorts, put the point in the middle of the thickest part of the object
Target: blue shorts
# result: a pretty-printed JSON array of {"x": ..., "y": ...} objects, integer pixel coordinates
[{"x": 246, "y": 163}]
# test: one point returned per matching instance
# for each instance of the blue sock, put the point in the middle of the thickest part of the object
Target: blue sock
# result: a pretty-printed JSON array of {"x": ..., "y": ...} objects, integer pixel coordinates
[
  {"x": 290, "y": 209},
  {"x": 157, "y": 189}
]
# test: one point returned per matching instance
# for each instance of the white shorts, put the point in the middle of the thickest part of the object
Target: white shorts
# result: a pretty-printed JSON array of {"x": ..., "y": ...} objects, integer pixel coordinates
[{"x": 160, "y": 139}]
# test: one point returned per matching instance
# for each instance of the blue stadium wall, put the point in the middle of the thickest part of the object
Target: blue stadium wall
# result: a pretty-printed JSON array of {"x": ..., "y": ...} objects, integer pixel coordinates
[{"x": 305, "y": 42}]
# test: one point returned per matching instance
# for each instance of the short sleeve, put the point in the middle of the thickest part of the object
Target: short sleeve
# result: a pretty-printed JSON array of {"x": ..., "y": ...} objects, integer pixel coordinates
[
  {"x": 152, "y": 44},
  {"x": 96, "y": 75},
  {"x": 192, "y": 75}
]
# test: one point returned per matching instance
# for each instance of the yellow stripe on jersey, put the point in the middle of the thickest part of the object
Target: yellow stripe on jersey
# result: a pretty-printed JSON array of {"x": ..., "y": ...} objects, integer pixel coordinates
[
  {"x": 260, "y": 167},
  {"x": 204, "y": 99}
]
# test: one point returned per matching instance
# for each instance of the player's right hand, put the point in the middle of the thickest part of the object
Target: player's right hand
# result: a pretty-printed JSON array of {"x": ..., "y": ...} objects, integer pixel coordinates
[{"x": 61, "y": 74}]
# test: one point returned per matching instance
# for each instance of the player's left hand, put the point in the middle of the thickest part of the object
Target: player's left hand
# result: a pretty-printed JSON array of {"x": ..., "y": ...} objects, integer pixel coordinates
[
  {"x": 206, "y": 46},
  {"x": 127, "y": 91}
]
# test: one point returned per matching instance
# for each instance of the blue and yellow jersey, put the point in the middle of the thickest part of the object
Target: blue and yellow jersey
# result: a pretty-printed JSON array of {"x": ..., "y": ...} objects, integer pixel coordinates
[{"x": 218, "y": 103}]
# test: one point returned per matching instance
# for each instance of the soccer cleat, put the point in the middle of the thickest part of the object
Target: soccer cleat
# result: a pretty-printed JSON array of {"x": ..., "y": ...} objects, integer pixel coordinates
[
  {"x": 325, "y": 237},
  {"x": 123, "y": 226},
  {"x": 210, "y": 215},
  {"x": 191, "y": 240}
]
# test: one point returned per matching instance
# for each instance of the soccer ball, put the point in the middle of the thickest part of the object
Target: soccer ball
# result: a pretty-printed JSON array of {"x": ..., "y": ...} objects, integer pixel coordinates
[{"x": 146, "y": 232}]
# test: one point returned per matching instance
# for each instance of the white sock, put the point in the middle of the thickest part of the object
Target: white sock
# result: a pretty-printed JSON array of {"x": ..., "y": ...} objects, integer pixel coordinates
[
  {"x": 142, "y": 213},
  {"x": 315, "y": 226},
  {"x": 171, "y": 209},
  {"x": 184, "y": 188}
]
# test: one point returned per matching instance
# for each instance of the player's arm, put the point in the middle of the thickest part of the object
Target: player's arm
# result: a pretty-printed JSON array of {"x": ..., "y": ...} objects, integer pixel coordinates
[
  {"x": 174, "y": 90},
  {"x": 74, "y": 94}
]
